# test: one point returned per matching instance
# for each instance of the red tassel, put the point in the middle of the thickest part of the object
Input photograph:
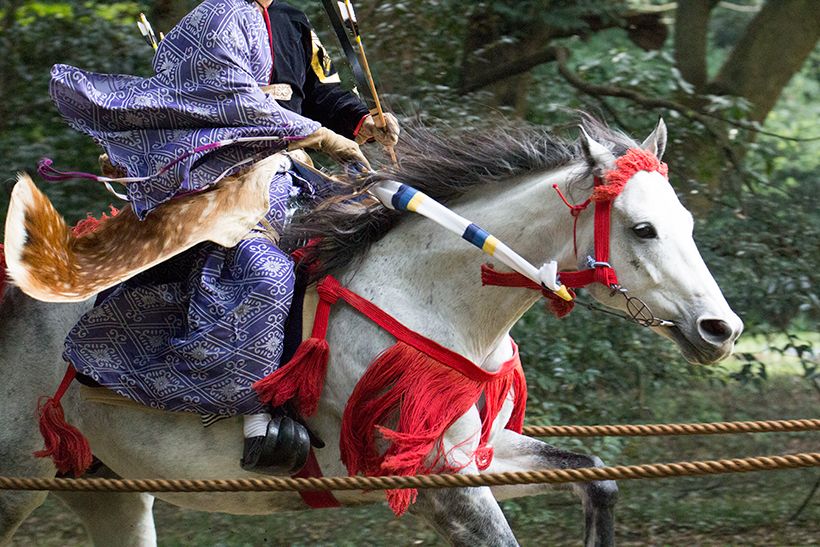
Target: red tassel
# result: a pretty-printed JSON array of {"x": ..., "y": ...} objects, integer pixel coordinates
[
  {"x": 2, "y": 269},
  {"x": 558, "y": 305},
  {"x": 302, "y": 377},
  {"x": 484, "y": 456},
  {"x": 400, "y": 500},
  {"x": 64, "y": 443},
  {"x": 516, "y": 421}
]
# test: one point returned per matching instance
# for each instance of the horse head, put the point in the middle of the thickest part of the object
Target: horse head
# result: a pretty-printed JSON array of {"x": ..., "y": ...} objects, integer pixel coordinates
[{"x": 653, "y": 253}]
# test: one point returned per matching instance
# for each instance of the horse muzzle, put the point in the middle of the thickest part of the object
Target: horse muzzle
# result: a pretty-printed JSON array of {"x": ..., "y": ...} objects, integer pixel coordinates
[{"x": 708, "y": 339}]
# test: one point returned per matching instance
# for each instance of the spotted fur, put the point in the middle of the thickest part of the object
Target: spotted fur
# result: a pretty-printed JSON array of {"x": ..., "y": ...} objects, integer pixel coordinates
[{"x": 50, "y": 263}]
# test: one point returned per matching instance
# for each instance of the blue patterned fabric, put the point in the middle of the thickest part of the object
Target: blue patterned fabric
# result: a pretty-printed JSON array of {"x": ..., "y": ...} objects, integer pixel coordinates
[
  {"x": 194, "y": 333},
  {"x": 206, "y": 89}
]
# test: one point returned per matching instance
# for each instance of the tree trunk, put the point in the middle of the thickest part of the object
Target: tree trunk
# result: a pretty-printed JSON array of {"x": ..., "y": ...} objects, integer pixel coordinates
[
  {"x": 498, "y": 65},
  {"x": 772, "y": 49},
  {"x": 165, "y": 14},
  {"x": 691, "y": 29}
]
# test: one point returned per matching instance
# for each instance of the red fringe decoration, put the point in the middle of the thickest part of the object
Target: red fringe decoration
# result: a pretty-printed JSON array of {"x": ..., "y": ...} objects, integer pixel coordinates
[
  {"x": 64, "y": 443},
  {"x": 424, "y": 398},
  {"x": 90, "y": 224},
  {"x": 301, "y": 378},
  {"x": 626, "y": 166}
]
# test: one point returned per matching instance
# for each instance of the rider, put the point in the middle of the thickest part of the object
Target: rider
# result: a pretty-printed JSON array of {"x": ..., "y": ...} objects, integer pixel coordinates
[{"x": 194, "y": 333}]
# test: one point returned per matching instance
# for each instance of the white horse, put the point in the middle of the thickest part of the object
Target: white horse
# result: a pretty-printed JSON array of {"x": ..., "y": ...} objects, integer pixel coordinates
[{"x": 428, "y": 280}]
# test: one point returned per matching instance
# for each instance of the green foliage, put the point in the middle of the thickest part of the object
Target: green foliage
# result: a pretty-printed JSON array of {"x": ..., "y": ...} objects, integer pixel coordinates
[
  {"x": 562, "y": 14},
  {"x": 767, "y": 254},
  {"x": 764, "y": 243}
]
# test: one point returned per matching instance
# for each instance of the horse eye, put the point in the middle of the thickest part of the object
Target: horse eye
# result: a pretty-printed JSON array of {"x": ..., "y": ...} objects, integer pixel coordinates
[{"x": 644, "y": 230}]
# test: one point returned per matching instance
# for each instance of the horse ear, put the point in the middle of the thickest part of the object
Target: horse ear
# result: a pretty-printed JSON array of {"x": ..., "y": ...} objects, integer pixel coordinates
[
  {"x": 596, "y": 153},
  {"x": 656, "y": 142}
]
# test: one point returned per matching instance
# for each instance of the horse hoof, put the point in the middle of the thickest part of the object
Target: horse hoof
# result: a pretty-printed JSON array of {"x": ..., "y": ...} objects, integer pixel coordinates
[{"x": 283, "y": 451}]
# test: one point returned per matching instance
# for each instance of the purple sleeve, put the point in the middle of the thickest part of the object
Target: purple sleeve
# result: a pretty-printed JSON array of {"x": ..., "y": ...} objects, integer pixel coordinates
[{"x": 206, "y": 89}]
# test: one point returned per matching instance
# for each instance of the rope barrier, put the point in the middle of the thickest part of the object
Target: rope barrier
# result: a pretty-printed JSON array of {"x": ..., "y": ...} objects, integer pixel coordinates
[
  {"x": 647, "y": 471},
  {"x": 653, "y": 430}
]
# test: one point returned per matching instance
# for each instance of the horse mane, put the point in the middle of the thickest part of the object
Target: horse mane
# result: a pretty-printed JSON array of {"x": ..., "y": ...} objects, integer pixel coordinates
[{"x": 443, "y": 165}]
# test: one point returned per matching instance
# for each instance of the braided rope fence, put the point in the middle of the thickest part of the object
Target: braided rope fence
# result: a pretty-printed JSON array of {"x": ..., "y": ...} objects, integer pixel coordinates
[
  {"x": 659, "y": 430},
  {"x": 647, "y": 471}
]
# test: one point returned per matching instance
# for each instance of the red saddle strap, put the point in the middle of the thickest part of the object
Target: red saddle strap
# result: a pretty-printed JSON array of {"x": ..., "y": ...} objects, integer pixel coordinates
[
  {"x": 330, "y": 290},
  {"x": 317, "y": 499}
]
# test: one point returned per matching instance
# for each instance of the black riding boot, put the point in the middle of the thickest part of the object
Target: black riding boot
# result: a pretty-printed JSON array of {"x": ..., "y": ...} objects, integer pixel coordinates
[{"x": 283, "y": 451}]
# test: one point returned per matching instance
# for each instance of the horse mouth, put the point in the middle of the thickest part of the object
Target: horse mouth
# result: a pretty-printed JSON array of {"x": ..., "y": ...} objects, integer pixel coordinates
[{"x": 699, "y": 354}]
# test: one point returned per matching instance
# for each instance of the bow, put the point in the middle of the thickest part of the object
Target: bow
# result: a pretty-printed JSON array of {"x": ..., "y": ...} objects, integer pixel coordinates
[{"x": 363, "y": 77}]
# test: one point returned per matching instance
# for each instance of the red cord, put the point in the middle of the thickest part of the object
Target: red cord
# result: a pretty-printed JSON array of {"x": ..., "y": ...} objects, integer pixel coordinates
[
  {"x": 270, "y": 38},
  {"x": 575, "y": 210}
]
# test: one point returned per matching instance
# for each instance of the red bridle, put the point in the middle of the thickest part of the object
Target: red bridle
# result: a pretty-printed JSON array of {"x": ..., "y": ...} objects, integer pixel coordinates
[{"x": 604, "y": 192}]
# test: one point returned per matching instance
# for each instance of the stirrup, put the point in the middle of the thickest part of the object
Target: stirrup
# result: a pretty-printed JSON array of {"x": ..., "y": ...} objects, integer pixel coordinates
[{"x": 283, "y": 451}]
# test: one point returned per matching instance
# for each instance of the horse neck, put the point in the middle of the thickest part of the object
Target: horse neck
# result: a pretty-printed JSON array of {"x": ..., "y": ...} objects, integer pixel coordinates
[{"x": 430, "y": 279}]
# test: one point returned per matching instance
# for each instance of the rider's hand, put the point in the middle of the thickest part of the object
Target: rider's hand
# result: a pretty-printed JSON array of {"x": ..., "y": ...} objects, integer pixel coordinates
[
  {"x": 386, "y": 136},
  {"x": 332, "y": 145}
]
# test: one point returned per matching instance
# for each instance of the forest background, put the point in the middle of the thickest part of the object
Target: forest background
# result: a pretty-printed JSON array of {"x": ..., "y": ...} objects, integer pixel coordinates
[{"x": 738, "y": 85}]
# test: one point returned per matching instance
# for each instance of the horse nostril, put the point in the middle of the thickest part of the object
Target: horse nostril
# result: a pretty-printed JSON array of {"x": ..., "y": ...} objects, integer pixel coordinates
[{"x": 716, "y": 331}]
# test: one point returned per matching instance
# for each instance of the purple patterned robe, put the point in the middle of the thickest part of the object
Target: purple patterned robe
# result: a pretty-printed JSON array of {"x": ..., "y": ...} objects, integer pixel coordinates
[
  {"x": 194, "y": 333},
  {"x": 206, "y": 89}
]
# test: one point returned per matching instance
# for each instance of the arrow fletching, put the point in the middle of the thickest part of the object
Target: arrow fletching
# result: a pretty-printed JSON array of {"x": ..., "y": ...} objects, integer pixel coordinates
[
  {"x": 349, "y": 17},
  {"x": 147, "y": 31},
  {"x": 144, "y": 32}
]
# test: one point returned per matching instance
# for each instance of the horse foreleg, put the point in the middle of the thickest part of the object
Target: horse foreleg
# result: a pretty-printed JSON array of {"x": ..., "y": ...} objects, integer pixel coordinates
[
  {"x": 14, "y": 508},
  {"x": 16, "y": 445},
  {"x": 114, "y": 519},
  {"x": 468, "y": 517},
  {"x": 514, "y": 452}
]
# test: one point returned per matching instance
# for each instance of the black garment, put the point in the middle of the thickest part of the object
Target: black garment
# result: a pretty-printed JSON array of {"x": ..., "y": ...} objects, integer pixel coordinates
[{"x": 299, "y": 59}]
